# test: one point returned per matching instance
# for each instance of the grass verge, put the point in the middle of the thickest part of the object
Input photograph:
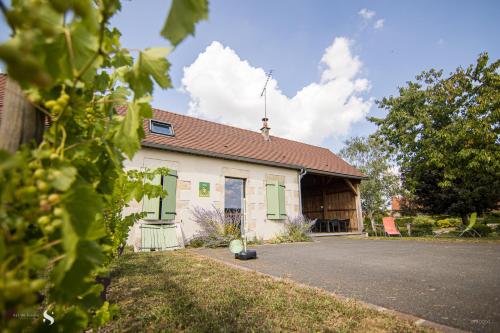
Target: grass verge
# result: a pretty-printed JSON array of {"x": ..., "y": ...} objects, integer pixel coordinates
[
  {"x": 181, "y": 291},
  {"x": 432, "y": 239}
]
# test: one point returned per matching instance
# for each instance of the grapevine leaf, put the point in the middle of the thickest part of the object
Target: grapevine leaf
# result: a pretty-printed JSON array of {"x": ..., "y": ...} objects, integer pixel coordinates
[
  {"x": 130, "y": 130},
  {"x": 65, "y": 176},
  {"x": 84, "y": 46},
  {"x": 82, "y": 205},
  {"x": 37, "y": 261},
  {"x": 181, "y": 20},
  {"x": 122, "y": 58},
  {"x": 73, "y": 318},
  {"x": 90, "y": 251},
  {"x": 96, "y": 230},
  {"x": 151, "y": 62},
  {"x": 101, "y": 81}
]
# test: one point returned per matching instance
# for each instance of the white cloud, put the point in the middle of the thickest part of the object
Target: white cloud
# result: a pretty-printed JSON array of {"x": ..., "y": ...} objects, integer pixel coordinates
[
  {"x": 366, "y": 13},
  {"x": 225, "y": 88},
  {"x": 379, "y": 24}
]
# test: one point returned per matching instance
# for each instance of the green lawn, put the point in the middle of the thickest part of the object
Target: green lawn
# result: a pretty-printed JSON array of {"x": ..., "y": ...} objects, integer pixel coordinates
[{"x": 181, "y": 291}]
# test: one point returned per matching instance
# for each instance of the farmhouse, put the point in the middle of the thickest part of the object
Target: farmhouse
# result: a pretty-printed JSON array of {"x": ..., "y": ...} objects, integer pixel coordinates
[
  {"x": 258, "y": 177},
  {"x": 261, "y": 177}
]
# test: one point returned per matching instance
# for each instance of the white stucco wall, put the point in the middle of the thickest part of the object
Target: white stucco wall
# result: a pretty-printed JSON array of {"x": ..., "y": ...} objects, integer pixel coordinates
[{"x": 192, "y": 169}]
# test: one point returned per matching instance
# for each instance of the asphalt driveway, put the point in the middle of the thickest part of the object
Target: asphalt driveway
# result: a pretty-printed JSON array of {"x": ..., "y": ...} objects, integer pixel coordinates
[{"x": 452, "y": 283}]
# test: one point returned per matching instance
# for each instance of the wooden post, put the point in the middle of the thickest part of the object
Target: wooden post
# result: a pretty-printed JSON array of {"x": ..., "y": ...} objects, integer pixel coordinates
[
  {"x": 20, "y": 123},
  {"x": 359, "y": 213},
  {"x": 325, "y": 210}
]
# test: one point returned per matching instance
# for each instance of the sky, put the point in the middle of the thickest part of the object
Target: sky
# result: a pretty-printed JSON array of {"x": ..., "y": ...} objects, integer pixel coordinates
[{"x": 331, "y": 60}]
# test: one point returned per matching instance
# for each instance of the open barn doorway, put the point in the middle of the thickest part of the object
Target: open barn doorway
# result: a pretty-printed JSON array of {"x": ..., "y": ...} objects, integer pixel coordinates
[{"x": 333, "y": 201}]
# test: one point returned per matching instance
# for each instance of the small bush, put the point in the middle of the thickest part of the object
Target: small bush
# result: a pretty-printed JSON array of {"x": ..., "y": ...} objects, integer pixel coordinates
[
  {"x": 255, "y": 241},
  {"x": 217, "y": 229},
  {"x": 297, "y": 229},
  {"x": 423, "y": 220},
  {"x": 449, "y": 223},
  {"x": 196, "y": 242},
  {"x": 402, "y": 221},
  {"x": 491, "y": 218},
  {"x": 421, "y": 230},
  {"x": 481, "y": 229}
]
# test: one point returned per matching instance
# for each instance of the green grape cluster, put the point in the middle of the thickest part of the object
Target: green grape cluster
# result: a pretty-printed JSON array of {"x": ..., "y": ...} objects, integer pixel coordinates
[{"x": 58, "y": 105}]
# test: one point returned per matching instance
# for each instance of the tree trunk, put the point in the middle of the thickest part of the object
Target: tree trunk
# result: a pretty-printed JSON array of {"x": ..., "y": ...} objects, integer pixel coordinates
[
  {"x": 21, "y": 122},
  {"x": 120, "y": 249},
  {"x": 372, "y": 221},
  {"x": 465, "y": 219}
]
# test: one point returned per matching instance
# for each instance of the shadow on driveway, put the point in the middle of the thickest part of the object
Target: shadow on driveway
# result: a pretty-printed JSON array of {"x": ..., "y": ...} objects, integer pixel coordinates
[{"x": 452, "y": 283}]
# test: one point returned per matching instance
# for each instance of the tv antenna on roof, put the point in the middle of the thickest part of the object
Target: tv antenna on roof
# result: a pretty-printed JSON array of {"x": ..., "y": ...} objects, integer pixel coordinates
[{"x": 264, "y": 92}]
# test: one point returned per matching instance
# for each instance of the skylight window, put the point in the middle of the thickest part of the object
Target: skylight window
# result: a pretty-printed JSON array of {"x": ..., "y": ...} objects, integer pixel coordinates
[{"x": 159, "y": 127}]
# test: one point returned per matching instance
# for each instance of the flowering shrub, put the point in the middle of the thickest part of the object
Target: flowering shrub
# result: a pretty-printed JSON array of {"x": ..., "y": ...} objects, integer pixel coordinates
[{"x": 217, "y": 227}]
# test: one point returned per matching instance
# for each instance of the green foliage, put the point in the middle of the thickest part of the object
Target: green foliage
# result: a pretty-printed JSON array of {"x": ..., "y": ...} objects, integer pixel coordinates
[
  {"x": 129, "y": 186},
  {"x": 481, "y": 229},
  {"x": 444, "y": 133},
  {"x": 423, "y": 220},
  {"x": 449, "y": 223},
  {"x": 197, "y": 242},
  {"x": 183, "y": 14},
  {"x": 491, "y": 218},
  {"x": 421, "y": 225},
  {"x": 401, "y": 221},
  {"x": 60, "y": 202},
  {"x": 369, "y": 156}
]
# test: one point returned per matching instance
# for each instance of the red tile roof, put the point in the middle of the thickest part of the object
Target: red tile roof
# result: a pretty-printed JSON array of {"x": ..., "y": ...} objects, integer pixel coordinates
[
  {"x": 396, "y": 204},
  {"x": 202, "y": 137}
]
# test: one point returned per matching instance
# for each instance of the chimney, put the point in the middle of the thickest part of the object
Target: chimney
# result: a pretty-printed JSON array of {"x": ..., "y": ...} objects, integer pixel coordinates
[{"x": 265, "y": 129}]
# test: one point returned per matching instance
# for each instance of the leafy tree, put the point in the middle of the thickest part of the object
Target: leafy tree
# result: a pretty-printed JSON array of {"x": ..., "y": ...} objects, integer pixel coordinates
[
  {"x": 62, "y": 190},
  {"x": 368, "y": 155},
  {"x": 444, "y": 132}
]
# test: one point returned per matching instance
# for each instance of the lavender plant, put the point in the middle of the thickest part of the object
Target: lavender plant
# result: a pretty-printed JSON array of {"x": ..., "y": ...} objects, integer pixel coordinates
[
  {"x": 297, "y": 229},
  {"x": 218, "y": 228}
]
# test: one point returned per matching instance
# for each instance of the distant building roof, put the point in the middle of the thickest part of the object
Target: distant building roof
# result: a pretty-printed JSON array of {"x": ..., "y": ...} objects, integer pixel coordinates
[{"x": 396, "y": 204}]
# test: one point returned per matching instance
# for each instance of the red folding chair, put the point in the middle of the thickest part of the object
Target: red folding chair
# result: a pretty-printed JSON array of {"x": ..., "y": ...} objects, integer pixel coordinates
[{"x": 390, "y": 227}]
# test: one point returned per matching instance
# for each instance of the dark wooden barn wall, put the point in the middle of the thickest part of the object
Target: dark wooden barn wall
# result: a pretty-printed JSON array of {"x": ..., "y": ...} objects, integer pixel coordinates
[{"x": 329, "y": 199}]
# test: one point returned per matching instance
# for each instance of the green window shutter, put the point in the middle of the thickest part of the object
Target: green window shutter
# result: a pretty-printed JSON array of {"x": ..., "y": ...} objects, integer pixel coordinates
[
  {"x": 272, "y": 197},
  {"x": 151, "y": 206},
  {"x": 168, "y": 203},
  {"x": 281, "y": 198}
]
